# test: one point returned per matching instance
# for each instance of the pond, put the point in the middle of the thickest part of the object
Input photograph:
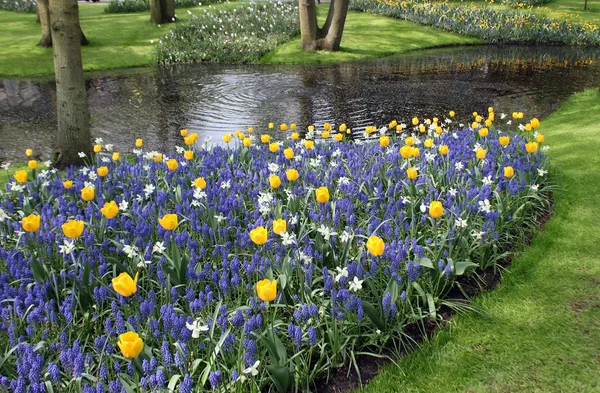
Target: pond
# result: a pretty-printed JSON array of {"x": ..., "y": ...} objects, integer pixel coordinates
[{"x": 154, "y": 104}]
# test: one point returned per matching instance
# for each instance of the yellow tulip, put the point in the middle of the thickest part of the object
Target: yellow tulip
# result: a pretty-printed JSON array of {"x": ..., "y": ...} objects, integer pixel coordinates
[
  {"x": 504, "y": 141},
  {"x": 509, "y": 172},
  {"x": 393, "y": 124},
  {"x": 169, "y": 221},
  {"x": 309, "y": 144},
  {"x": 124, "y": 285},
  {"x": 30, "y": 223},
  {"x": 283, "y": 127},
  {"x": 490, "y": 109},
  {"x": 322, "y": 194},
  {"x": 452, "y": 113},
  {"x": 273, "y": 147},
  {"x": 531, "y": 147},
  {"x": 488, "y": 123},
  {"x": 73, "y": 228},
  {"x": 475, "y": 125},
  {"x": 411, "y": 173},
  {"x": 266, "y": 290},
  {"x": 200, "y": 183},
  {"x": 414, "y": 151},
  {"x": 102, "y": 171},
  {"x": 110, "y": 209},
  {"x": 274, "y": 181},
  {"x": 405, "y": 152},
  {"x": 279, "y": 226},
  {"x": 375, "y": 245},
  {"x": 327, "y": 127},
  {"x": 475, "y": 114},
  {"x": 480, "y": 153},
  {"x": 338, "y": 137},
  {"x": 295, "y": 136},
  {"x": 188, "y": 154},
  {"x": 87, "y": 193},
  {"x": 422, "y": 128},
  {"x": 265, "y": 138},
  {"x": 271, "y": 125},
  {"x": 444, "y": 149},
  {"x": 28, "y": 152},
  {"x": 67, "y": 184},
  {"x": 172, "y": 164},
  {"x": 259, "y": 235},
  {"x": 190, "y": 139},
  {"x": 409, "y": 141},
  {"x": 384, "y": 141},
  {"x": 528, "y": 127},
  {"x": 183, "y": 132},
  {"x": 21, "y": 176},
  {"x": 491, "y": 117},
  {"x": 292, "y": 174},
  {"x": 247, "y": 142},
  {"x": 288, "y": 153},
  {"x": 539, "y": 138},
  {"x": 436, "y": 210},
  {"x": 483, "y": 132},
  {"x": 311, "y": 128},
  {"x": 116, "y": 156},
  {"x": 415, "y": 121},
  {"x": 535, "y": 123},
  {"x": 439, "y": 130},
  {"x": 250, "y": 130},
  {"x": 131, "y": 344},
  {"x": 343, "y": 127},
  {"x": 97, "y": 148},
  {"x": 520, "y": 115},
  {"x": 227, "y": 138},
  {"x": 428, "y": 143},
  {"x": 32, "y": 164},
  {"x": 158, "y": 157},
  {"x": 325, "y": 134},
  {"x": 139, "y": 142},
  {"x": 478, "y": 119},
  {"x": 293, "y": 126}
]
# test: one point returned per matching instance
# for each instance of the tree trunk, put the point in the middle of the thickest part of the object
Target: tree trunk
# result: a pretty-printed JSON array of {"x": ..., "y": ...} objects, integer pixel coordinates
[
  {"x": 585, "y": 5},
  {"x": 44, "y": 15},
  {"x": 162, "y": 11},
  {"x": 73, "y": 134},
  {"x": 329, "y": 36}
]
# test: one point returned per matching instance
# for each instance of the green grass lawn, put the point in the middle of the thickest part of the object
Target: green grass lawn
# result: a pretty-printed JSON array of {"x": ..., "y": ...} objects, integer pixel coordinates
[
  {"x": 543, "y": 329},
  {"x": 575, "y": 8},
  {"x": 368, "y": 36},
  {"x": 116, "y": 40}
]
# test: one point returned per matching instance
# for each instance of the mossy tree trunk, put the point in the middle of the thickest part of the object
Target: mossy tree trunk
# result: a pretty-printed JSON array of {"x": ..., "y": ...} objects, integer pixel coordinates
[
  {"x": 329, "y": 36},
  {"x": 162, "y": 11},
  {"x": 73, "y": 133},
  {"x": 43, "y": 14}
]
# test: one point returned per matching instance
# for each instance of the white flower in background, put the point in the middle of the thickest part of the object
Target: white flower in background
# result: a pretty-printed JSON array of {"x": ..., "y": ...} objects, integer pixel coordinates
[
  {"x": 484, "y": 206},
  {"x": 545, "y": 148},
  {"x": 81, "y": 154},
  {"x": 378, "y": 331},
  {"x": 47, "y": 163},
  {"x": 5, "y": 166},
  {"x": 477, "y": 147},
  {"x": 423, "y": 207},
  {"x": 487, "y": 180},
  {"x": 105, "y": 159},
  {"x": 336, "y": 153},
  {"x": 509, "y": 122},
  {"x": 293, "y": 220},
  {"x": 326, "y": 232},
  {"x": 405, "y": 200},
  {"x": 139, "y": 198},
  {"x": 130, "y": 251},
  {"x": 150, "y": 155},
  {"x": 503, "y": 116},
  {"x": 158, "y": 248},
  {"x": 16, "y": 187},
  {"x": 477, "y": 235},
  {"x": 84, "y": 171},
  {"x": 252, "y": 370},
  {"x": 454, "y": 135},
  {"x": 98, "y": 141},
  {"x": 447, "y": 121},
  {"x": 342, "y": 181},
  {"x": 179, "y": 149},
  {"x": 341, "y": 272},
  {"x": 403, "y": 125},
  {"x": 383, "y": 130},
  {"x": 314, "y": 163},
  {"x": 355, "y": 285},
  {"x": 146, "y": 167},
  {"x": 521, "y": 127},
  {"x": 197, "y": 327},
  {"x": 123, "y": 205},
  {"x": 199, "y": 193},
  {"x": 220, "y": 218},
  {"x": 346, "y": 236},
  {"x": 307, "y": 259},
  {"x": 3, "y": 215},
  {"x": 138, "y": 152},
  {"x": 291, "y": 196},
  {"x": 460, "y": 223},
  {"x": 109, "y": 147},
  {"x": 535, "y": 187},
  {"x": 287, "y": 239},
  {"x": 45, "y": 183},
  {"x": 148, "y": 190},
  {"x": 92, "y": 176},
  {"x": 89, "y": 185},
  {"x": 273, "y": 167},
  {"x": 459, "y": 166},
  {"x": 143, "y": 264},
  {"x": 542, "y": 172},
  {"x": 226, "y": 185},
  {"x": 429, "y": 156},
  {"x": 452, "y": 191}
]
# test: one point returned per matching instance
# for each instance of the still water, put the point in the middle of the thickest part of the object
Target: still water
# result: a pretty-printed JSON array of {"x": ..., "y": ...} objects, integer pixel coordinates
[{"x": 154, "y": 104}]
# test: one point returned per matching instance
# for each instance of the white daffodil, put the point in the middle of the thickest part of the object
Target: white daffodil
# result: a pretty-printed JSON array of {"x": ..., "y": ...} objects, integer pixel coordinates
[
  {"x": 5, "y": 166},
  {"x": 484, "y": 206},
  {"x": 197, "y": 327},
  {"x": 460, "y": 223},
  {"x": 123, "y": 205},
  {"x": 459, "y": 166},
  {"x": 105, "y": 159},
  {"x": 220, "y": 218},
  {"x": 345, "y": 236},
  {"x": 535, "y": 187},
  {"x": 341, "y": 272},
  {"x": 179, "y": 149},
  {"x": 88, "y": 184},
  {"x": 273, "y": 167},
  {"x": 252, "y": 370},
  {"x": 81, "y": 154},
  {"x": 487, "y": 180},
  {"x": 98, "y": 141},
  {"x": 226, "y": 185},
  {"x": 356, "y": 284},
  {"x": 542, "y": 172},
  {"x": 452, "y": 191},
  {"x": 423, "y": 207},
  {"x": 67, "y": 248},
  {"x": 158, "y": 248},
  {"x": 326, "y": 232},
  {"x": 287, "y": 239},
  {"x": 130, "y": 251},
  {"x": 3, "y": 215},
  {"x": 405, "y": 200},
  {"x": 148, "y": 190}
]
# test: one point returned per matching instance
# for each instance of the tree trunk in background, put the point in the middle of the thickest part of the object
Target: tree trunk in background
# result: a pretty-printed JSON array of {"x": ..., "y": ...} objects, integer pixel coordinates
[
  {"x": 585, "y": 5},
  {"x": 162, "y": 11},
  {"x": 44, "y": 16},
  {"x": 73, "y": 134},
  {"x": 329, "y": 36}
]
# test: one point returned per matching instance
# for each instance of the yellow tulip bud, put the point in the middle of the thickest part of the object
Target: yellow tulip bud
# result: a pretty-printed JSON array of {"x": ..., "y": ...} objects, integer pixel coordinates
[
  {"x": 67, "y": 184},
  {"x": 158, "y": 157},
  {"x": 28, "y": 152},
  {"x": 250, "y": 130},
  {"x": 73, "y": 228},
  {"x": 488, "y": 123},
  {"x": 283, "y": 127},
  {"x": 116, "y": 156},
  {"x": 375, "y": 245},
  {"x": 322, "y": 194},
  {"x": 327, "y": 127},
  {"x": 169, "y": 221},
  {"x": 409, "y": 141},
  {"x": 411, "y": 173},
  {"x": 535, "y": 123},
  {"x": 452, "y": 113},
  {"x": 200, "y": 183},
  {"x": 504, "y": 141},
  {"x": 247, "y": 142},
  {"x": 480, "y": 153},
  {"x": 475, "y": 125},
  {"x": 422, "y": 128},
  {"x": 531, "y": 147},
  {"x": 30, "y": 223},
  {"x": 288, "y": 153},
  {"x": 483, "y": 132},
  {"x": 439, "y": 130},
  {"x": 436, "y": 210},
  {"x": 259, "y": 235},
  {"x": 279, "y": 226},
  {"x": 405, "y": 151},
  {"x": 87, "y": 193},
  {"x": 295, "y": 136},
  {"x": 97, "y": 148},
  {"x": 273, "y": 147},
  {"x": 172, "y": 164},
  {"x": 130, "y": 344},
  {"x": 32, "y": 164},
  {"x": 102, "y": 171},
  {"x": 414, "y": 151},
  {"x": 528, "y": 127},
  {"x": 271, "y": 125},
  {"x": 139, "y": 142},
  {"x": 415, "y": 121},
  {"x": 539, "y": 138},
  {"x": 266, "y": 290},
  {"x": 293, "y": 126},
  {"x": 393, "y": 124},
  {"x": 21, "y": 176},
  {"x": 325, "y": 134},
  {"x": 183, "y": 132},
  {"x": 124, "y": 285},
  {"x": 110, "y": 209},
  {"x": 343, "y": 127},
  {"x": 338, "y": 137},
  {"x": 428, "y": 143},
  {"x": 444, "y": 149},
  {"x": 188, "y": 154},
  {"x": 227, "y": 138},
  {"x": 309, "y": 144},
  {"x": 311, "y": 128},
  {"x": 265, "y": 138},
  {"x": 292, "y": 174},
  {"x": 274, "y": 181},
  {"x": 384, "y": 141},
  {"x": 509, "y": 172}
]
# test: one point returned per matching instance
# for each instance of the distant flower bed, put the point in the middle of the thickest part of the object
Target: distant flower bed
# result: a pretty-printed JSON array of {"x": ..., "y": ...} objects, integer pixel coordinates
[
  {"x": 241, "y": 35},
  {"x": 124, "y": 6},
  {"x": 256, "y": 265},
  {"x": 485, "y": 22},
  {"x": 18, "y": 5},
  {"x": 523, "y": 3}
]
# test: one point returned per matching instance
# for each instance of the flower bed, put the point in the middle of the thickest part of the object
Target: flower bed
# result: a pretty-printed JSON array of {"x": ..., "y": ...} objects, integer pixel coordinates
[
  {"x": 241, "y": 35},
  {"x": 18, "y": 5},
  {"x": 126, "y": 6},
  {"x": 485, "y": 22},
  {"x": 256, "y": 265}
]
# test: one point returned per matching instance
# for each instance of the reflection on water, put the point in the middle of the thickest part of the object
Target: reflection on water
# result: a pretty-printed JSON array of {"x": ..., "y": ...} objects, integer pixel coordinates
[{"x": 155, "y": 103}]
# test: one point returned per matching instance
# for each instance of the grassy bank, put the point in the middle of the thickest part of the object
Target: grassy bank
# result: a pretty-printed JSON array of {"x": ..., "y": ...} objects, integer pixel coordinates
[
  {"x": 116, "y": 40},
  {"x": 543, "y": 332},
  {"x": 368, "y": 36}
]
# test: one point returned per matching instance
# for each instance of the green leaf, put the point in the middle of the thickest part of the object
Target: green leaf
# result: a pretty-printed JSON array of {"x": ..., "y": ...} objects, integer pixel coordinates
[
  {"x": 282, "y": 377},
  {"x": 392, "y": 288},
  {"x": 426, "y": 262},
  {"x": 173, "y": 382},
  {"x": 461, "y": 267},
  {"x": 373, "y": 314}
]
